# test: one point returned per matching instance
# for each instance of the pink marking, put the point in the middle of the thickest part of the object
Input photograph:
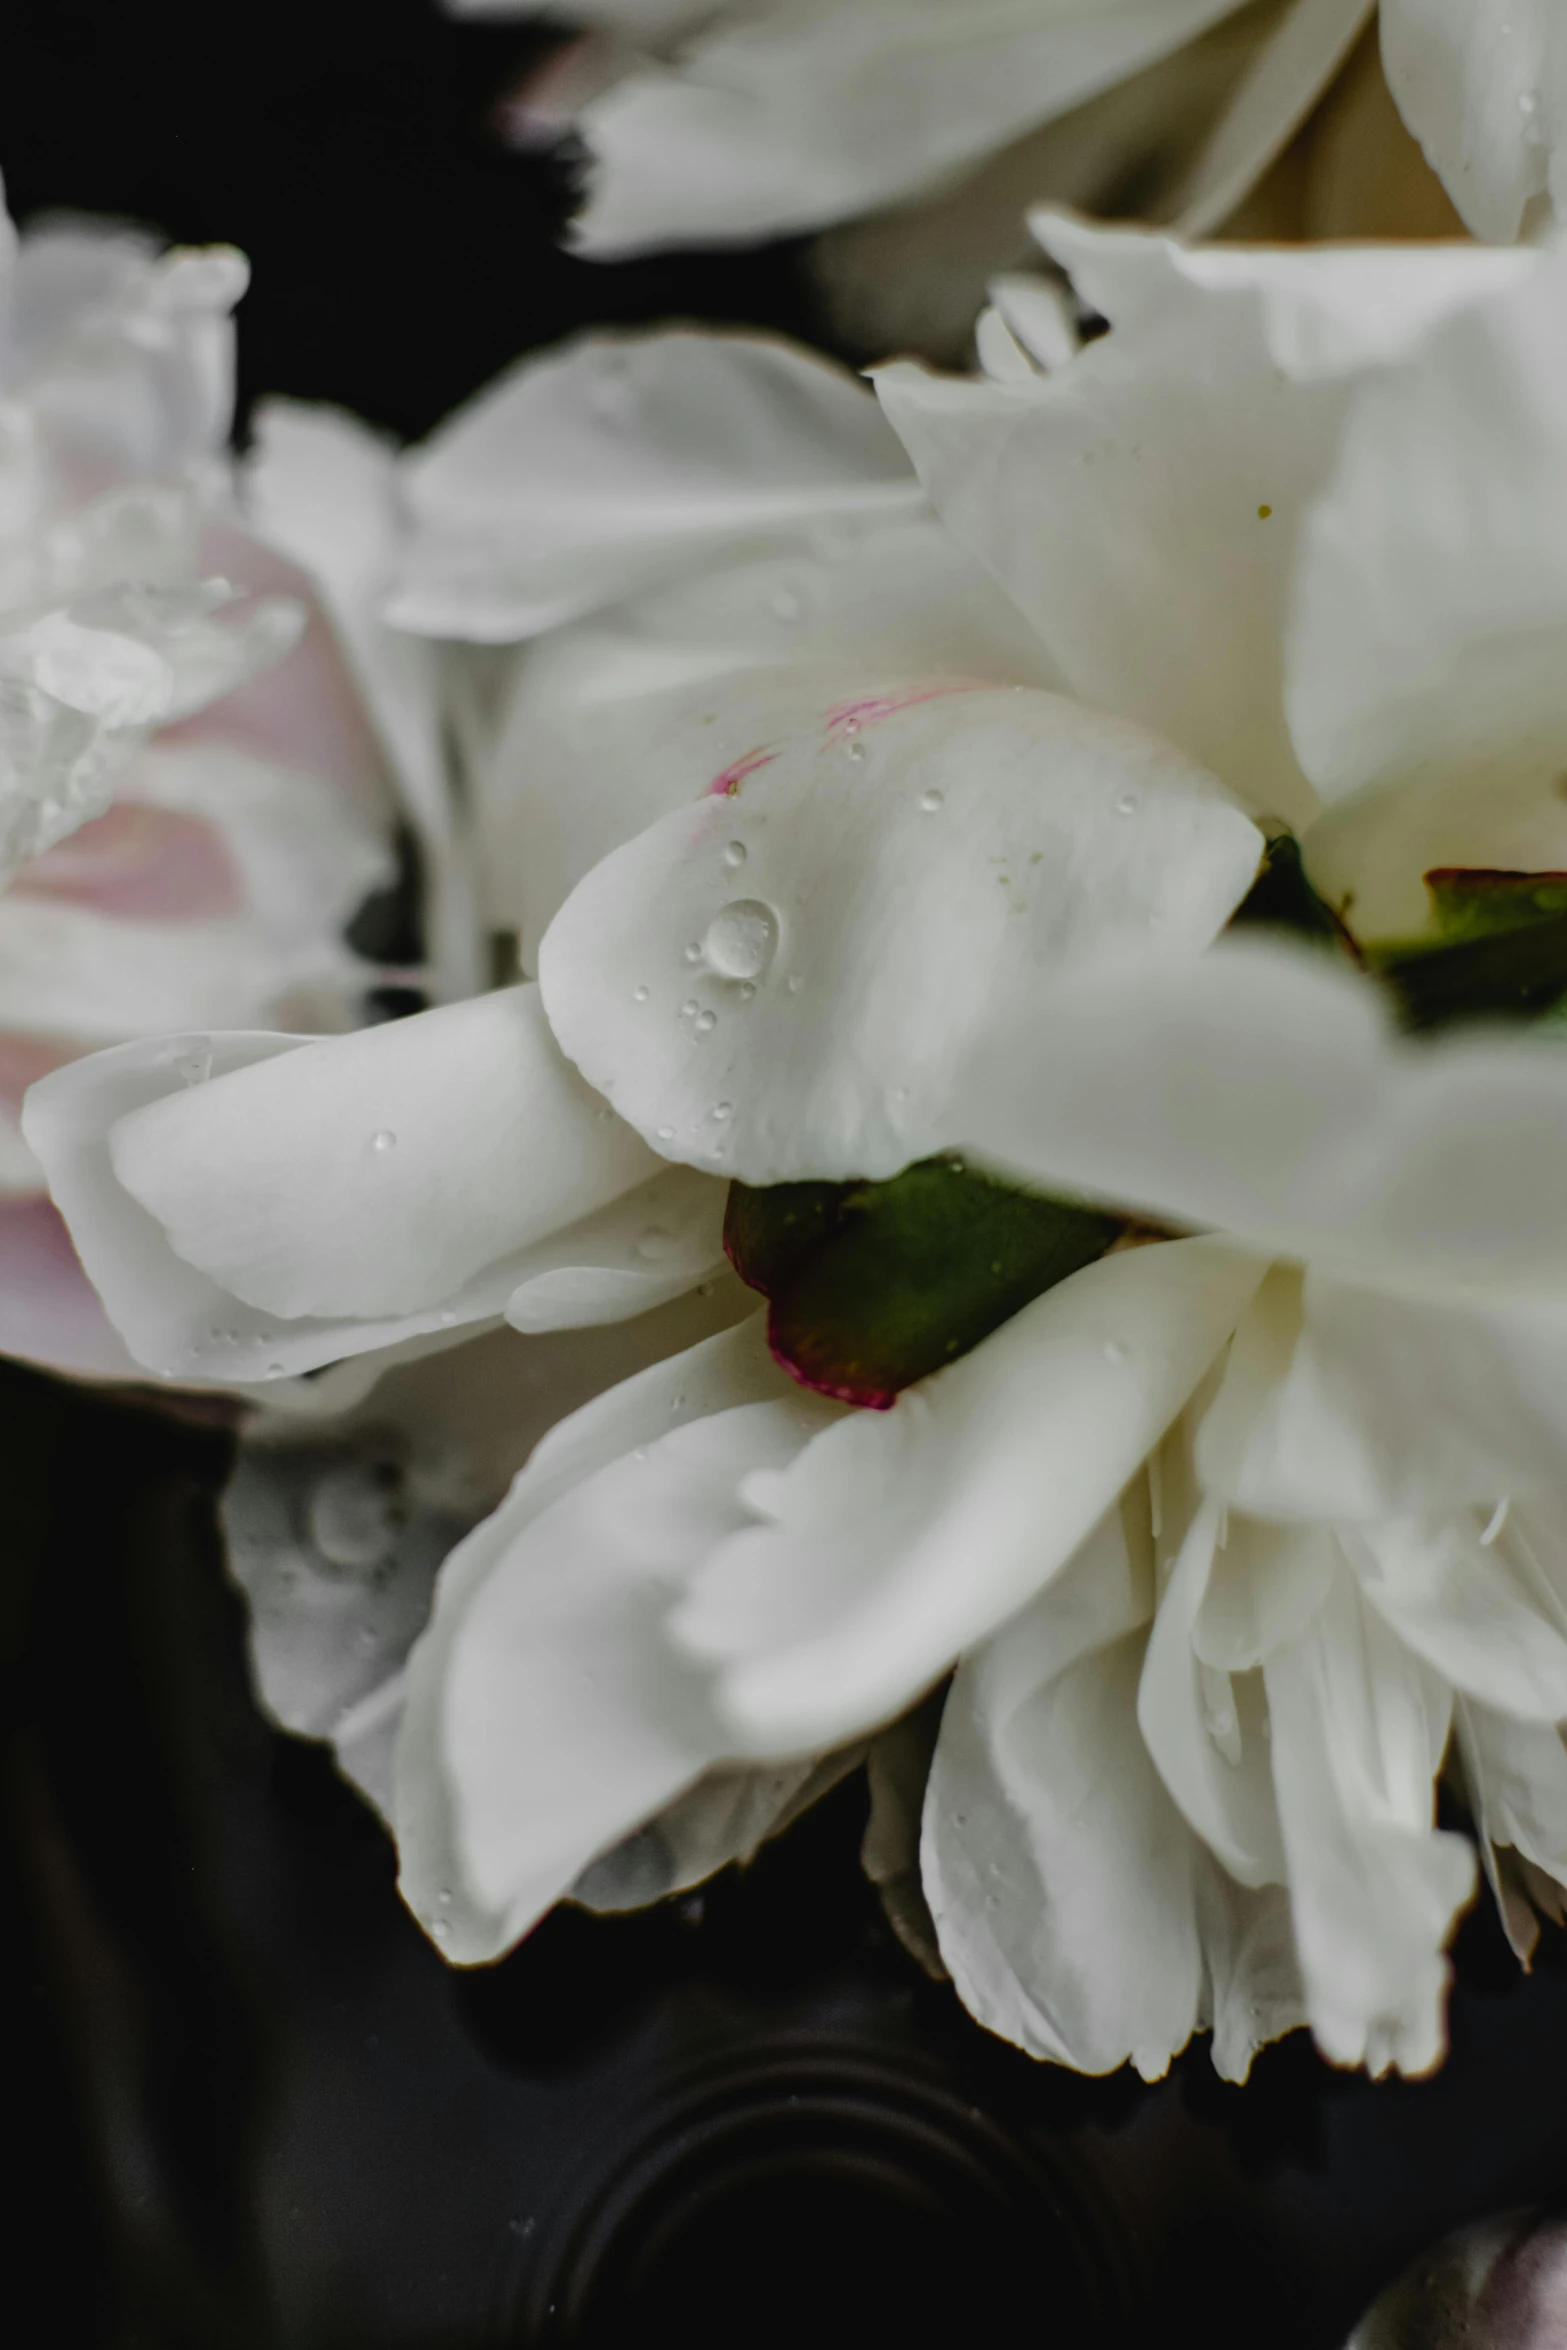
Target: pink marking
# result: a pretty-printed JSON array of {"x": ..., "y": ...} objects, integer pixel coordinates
[
  {"x": 846, "y": 719},
  {"x": 724, "y": 787},
  {"x": 142, "y": 864}
]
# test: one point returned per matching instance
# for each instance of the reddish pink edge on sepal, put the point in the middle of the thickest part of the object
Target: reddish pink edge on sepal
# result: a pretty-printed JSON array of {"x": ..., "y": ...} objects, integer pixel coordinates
[
  {"x": 724, "y": 787},
  {"x": 870, "y": 1399},
  {"x": 846, "y": 719}
]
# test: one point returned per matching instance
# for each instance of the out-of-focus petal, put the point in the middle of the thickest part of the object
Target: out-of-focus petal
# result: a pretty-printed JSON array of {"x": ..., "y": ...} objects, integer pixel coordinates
[
  {"x": 583, "y": 475},
  {"x": 1260, "y": 1089},
  {"x": 793, "y": 117}
]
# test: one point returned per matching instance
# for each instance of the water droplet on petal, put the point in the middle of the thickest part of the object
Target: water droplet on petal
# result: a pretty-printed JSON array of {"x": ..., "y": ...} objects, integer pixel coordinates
[
  {"x": 741, "y": 940},
  {"x": 666, "y": 1134},
  {"x": 856, "y": 750},
  {"x": 723, "y": 1110},
  {"x": 639, "y": 995},
  {"x": 745, "y": 990},
  {"x": 690, "y": 1008},
  {"x": 693, "y": 950},
  {"x": 655, "y": 1243},
  {"x": 734, "y": 855},
  {"x": 930, "y": 801},
  {"x": 1126, "y": 805},
  {"x": 705, "y": 1023},
  {"x": 796, "y": 982},
  {"x": 384, "y": 1141}
]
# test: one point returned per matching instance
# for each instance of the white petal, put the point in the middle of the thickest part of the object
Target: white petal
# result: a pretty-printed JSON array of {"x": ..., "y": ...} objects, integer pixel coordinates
[
  {"x": 1433, "y": 587},
  {"x": 176, "y": 1319},
  {"x": 1468, "y": 1608},
  {"x": 1260, "y": 1089},
  {"x": 1266, "y": 1582},
  {"x": 1292, "y": 68},
  {"x": 379, "y": 1173},
  {"x": 1483, "y": 85},
  {"x": 1143, "y": 504},
  {"x": 652, "y": 1243},
  {"x": 1255, "y": 1994},
  {"x": 335, "y": 1533},
  {"x": 1363, "y": 1403},
  {"x": 1206, "y": 1731},
  {"x": 794, "y": 117},
  {"x": 566, "y": 1718},
  {"x": 726, "y": 1816},
  {"x": 1516, "y": 1773},
  {"x": 719, "y": 1375},
  {"x": 899, "y": 1539},
  {"x": 924, "y": 859},
  {"x": 1058, "y": 1871},
  {"x": 321, "y": 486},
  {"x": 619, "y": 719},
  {"x": 581, "y": 476},
  {"x": 1359, "y": 1726}
]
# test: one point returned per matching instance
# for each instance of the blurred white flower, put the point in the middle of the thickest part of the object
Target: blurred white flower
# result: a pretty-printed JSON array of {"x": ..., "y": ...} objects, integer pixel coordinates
[
  {"x": 156, "y": 650},
  {"x": 737, "y": 119}
]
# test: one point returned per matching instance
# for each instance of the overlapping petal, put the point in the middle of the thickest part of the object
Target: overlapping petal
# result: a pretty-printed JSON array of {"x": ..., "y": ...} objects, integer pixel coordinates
[
  {"x": 325, "y": 1203},
  {"x": 1260, "y": 1090},
  {"x": 899, "y": 1540},
  {"x": 546, "y": 1716}
]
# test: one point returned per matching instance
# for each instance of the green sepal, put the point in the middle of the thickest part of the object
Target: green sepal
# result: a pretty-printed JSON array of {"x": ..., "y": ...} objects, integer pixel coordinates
[
  {"x": 1500, "y": 949},
  {"x": 1282, "y": 898},
  {"x": 874, "y": 1285}
]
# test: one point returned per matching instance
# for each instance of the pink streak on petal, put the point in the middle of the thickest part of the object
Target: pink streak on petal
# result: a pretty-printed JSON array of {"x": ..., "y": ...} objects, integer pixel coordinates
[
  {"x": 305, "y": 711},
  {"x": 846, "y": 719},
  {"x": 724, "y": 787},
  {"x": 49, "y": 1310},
  {"x": 141, "y": 864}
]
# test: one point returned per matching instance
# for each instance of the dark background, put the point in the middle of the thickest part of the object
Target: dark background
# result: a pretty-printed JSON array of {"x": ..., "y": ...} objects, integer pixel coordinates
[{"x": 249, "y": 2105}]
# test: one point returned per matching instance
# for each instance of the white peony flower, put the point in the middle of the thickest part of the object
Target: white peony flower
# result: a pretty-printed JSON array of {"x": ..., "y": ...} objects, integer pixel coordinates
[
  {"x": 1368, "y": 1494},
  {"x": 831, "y": 867}
]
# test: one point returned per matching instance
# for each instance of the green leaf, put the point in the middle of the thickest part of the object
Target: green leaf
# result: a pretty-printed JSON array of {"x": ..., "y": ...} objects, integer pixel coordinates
[
  {"x": 1282, "y": 898},
  {"x": 874, "y": 1285},
  {"x": 1500, "y": 951}
]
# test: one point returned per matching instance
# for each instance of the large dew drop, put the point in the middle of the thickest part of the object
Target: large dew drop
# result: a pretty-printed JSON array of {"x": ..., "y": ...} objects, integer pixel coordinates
[{"x": 741, "y": 941}]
